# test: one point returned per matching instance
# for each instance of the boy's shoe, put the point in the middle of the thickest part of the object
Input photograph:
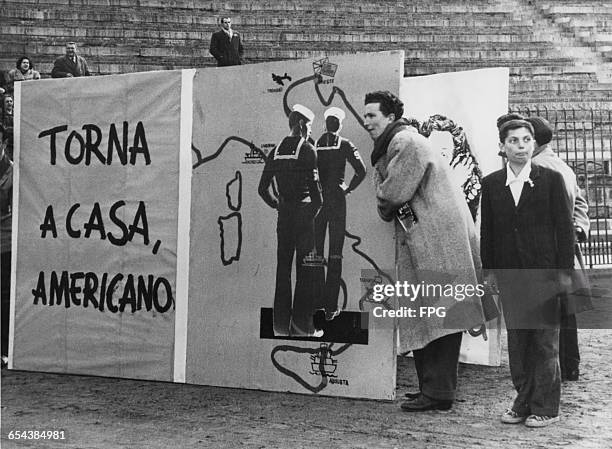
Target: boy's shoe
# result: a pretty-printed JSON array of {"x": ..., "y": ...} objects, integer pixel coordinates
[
  {"x": 512, "y": 417},
  {"x": 540, "y": 421}
]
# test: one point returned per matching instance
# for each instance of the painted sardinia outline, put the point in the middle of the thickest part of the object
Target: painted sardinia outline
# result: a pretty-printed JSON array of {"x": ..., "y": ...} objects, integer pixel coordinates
[
  {"x": 220, "y": 220},
  {"x": 237, "y": 178}
]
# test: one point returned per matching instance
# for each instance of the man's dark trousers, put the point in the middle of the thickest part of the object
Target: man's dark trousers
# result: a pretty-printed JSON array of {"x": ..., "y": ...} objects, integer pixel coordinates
[{"x": 436, "y": 367}]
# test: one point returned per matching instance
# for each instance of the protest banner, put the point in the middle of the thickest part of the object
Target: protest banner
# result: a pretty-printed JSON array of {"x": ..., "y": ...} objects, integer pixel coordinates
[{"x": 94, "y": 266}]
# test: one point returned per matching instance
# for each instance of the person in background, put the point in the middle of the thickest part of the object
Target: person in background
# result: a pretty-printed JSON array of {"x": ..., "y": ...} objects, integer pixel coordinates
[
  {"x": 226, "y": 45},
  {"x": 8, "y": 105},
  {"x": 23, "y": 71},
  {"x": 7, "y": 121},
  {"x": 544, "y": 156},
  {"x": 71, "y": 64},
  {"x": 527, "y": 250},
  {"x": 3, "y": 81},
  {"x": 6, "y": 197}
]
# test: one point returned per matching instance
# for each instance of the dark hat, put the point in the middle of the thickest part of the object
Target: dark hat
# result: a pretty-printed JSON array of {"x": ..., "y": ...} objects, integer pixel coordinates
[
  {"x": 543, "y": 130},
  {"x": 507, "y": 117},
  {"x": 515, "y": 123}
]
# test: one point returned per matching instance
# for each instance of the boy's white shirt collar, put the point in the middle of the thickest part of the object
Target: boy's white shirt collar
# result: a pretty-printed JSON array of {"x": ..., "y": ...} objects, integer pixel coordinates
[
  {"x": 522, "y": 176},
  {"x": 517, "y": 182}
]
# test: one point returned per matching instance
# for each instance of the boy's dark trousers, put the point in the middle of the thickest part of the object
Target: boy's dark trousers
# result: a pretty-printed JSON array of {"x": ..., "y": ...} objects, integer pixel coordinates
[{"x": 534, "y": 367}]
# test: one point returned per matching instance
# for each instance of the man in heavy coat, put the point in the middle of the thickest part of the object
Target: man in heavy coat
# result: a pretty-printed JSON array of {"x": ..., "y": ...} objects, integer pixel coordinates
[{"x": 436, "y": 244}]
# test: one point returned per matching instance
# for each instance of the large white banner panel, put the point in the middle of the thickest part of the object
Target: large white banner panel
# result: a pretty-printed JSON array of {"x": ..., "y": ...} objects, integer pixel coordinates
[
  {"x": 97, "y": 208},
  {"x": 458, "y": 112}
]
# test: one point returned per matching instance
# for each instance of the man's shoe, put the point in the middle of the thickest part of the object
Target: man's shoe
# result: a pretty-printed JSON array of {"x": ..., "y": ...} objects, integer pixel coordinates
[
  {"x": 423, "y": 403},
  {"x": 540, "y": 421},
  {"x": 511, "y": 417},
  {"x": 410, "y": 395}
]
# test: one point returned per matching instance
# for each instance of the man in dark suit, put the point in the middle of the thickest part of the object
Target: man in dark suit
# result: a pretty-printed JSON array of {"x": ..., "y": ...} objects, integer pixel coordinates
[
  {"x": 71, "y": 64},
  {"x": 527, "y": 250},
  {"x": 226, "y": 45}
]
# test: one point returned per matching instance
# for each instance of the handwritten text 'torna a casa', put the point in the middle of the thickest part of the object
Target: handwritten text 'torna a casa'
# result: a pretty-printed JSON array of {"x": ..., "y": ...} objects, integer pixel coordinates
[{"x": 91, "y": 144}]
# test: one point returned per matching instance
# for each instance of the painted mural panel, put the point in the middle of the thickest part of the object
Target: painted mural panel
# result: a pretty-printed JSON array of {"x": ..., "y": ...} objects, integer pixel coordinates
[{"x": 247, "y": 326}]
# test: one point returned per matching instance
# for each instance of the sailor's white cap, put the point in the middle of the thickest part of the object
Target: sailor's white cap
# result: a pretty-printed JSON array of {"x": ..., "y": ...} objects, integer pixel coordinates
[
  {"x": 304, "y": 111},
  {"x": 335, "y": 112}
]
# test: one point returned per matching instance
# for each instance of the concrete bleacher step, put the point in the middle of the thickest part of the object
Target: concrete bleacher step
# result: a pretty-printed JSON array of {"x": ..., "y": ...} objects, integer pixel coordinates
[
  {"x": 122, "y": 35},
  {"x": 289, "y": 48},
  {"x": 586, "y": 20},
  {"x": 284, "y": 6},
  {"x": 56, "y": 35},
  {"x": 163, "y": 20},
  {"x": 603, "y": 38},
  {"x": 578, "y": 10}
]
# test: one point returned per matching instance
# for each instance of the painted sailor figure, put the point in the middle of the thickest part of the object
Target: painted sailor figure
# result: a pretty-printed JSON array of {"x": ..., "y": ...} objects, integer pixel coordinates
[
  {"x": 292, "y": 164},
  {"x": 333, "y": 152}
]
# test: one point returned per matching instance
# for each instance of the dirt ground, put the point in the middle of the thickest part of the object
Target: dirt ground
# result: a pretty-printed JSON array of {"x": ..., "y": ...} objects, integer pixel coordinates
[{"x": 99, "y": 412}]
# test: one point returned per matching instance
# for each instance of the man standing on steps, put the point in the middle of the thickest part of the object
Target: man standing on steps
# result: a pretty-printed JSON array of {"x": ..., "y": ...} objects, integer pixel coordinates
[
  {"x": 292, "y": 164},
  {"x": 226, "y": 45},
  {"x": 70, "y": 65},
  {"x": 333, "y": 151}
]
